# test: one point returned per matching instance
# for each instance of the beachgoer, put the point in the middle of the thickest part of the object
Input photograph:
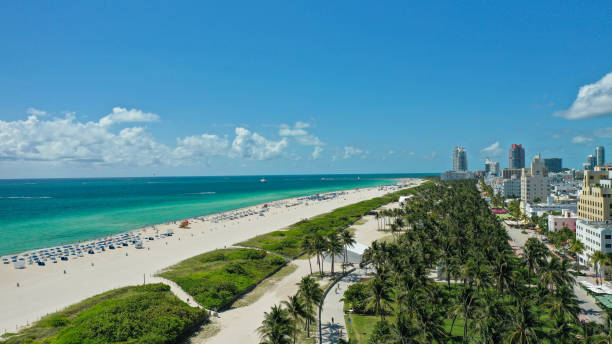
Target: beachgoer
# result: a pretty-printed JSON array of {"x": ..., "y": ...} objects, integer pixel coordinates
[
  {"x": 17, "y": 284},
  {"x": 64, "y": 272}
]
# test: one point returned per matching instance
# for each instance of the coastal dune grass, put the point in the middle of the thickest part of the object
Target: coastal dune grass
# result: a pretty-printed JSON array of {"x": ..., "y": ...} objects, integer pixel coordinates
[
  {"x": 288, "y": 242},
  {"x": 135, "y": 314},
  {"x": 216, "y": 279}
]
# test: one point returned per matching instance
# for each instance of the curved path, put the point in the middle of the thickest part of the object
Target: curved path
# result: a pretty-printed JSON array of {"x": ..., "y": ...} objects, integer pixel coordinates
[
  {"x": 333, "y": 326},
  {"x": 176, "y": 290}
]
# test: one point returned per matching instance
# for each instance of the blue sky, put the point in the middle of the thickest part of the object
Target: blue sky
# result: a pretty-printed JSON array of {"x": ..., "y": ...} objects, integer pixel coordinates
[{"x": 208, "y": 88}]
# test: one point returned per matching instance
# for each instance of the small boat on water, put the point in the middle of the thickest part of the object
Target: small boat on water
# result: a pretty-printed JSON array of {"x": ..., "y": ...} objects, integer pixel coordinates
[{"x": 263, "y": 180}]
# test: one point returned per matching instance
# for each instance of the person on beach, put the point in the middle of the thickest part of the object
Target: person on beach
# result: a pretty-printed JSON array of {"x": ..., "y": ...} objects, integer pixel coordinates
[{"x": 17, "y": 284}]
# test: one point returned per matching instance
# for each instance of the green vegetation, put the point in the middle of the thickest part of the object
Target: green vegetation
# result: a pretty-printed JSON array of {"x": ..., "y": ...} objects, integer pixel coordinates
[
  {"x": 289, "y": 242},
  {"x": 487, "y": 295},
  {"x": 264, "y": 286},
  {"x": 215, "y": 279},
  {"x": 138, "y": 314},
  {"x": 283, "y": 324}
]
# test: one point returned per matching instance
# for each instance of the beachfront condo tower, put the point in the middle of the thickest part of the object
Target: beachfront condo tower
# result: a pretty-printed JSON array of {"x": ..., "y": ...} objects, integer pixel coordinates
[
  {"x": 516, "y": 156},
  {"x": 600, "y": 155},
  {"x": 460, "y": 159}
]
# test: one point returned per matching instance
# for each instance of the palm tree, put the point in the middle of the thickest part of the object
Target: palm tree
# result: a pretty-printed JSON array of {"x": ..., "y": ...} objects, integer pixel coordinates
[
  {"x": 348, "y": 240},
  {"x": 276, "y": 327},
  {"x": 319, "y": 246},
  {"x": 308, "y": 248},
  {"x": 502, "y": 271},
  {"x": 380, "y": 294},
  {"x": 404, "y": 331},
  {"x": 311, "y": 294},
  {"x": 297, "y": 311},
  {"x": 534, "y": 254},
  {"x": 575, "y": 249},
  {"x": 334, "y": 248},
  {"x": 597, "y": 259},
  {"x": 524, "y": 327},
  {"x": 563, "y": 304}
]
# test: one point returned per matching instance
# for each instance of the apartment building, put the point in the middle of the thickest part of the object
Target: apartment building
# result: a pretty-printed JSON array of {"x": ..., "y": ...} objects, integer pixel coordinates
[{"x": 595, "y": 201}]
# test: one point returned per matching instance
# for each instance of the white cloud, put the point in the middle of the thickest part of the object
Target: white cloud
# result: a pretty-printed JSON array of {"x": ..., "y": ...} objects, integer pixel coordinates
[
  {"x": 316, "y": 152},
  {"x": 582, "y": 139},
  {"x": 350, "y": 151},
  {"x": 302, "y": 125},
  {"x": 36, "y": 112},
  {"x": 593, "y": 100},
  {"x": 67, "y": 140},
  {"x": 254, "y": 146},
  {"x": 205, "y": 145},
  {"x": 123, "y": 115},
  {"x": 492, "y": 150},
  {"x": 300, "y": 135}
]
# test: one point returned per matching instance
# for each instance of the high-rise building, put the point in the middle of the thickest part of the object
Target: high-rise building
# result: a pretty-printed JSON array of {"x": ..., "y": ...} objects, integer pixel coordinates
[
  {"x": 534, "y": 181},
  {"x": 591, "y": 162},
  {"x": 595, "y": 200},
  {"x": 516, "y": 156},
  {"x": 460, "y": 159},
  {"x": 508, "y": 173},
  {"x": 553, "y": 165},
  {"x": 492, "y": 168},
  {"x": 600, "y": 156}
]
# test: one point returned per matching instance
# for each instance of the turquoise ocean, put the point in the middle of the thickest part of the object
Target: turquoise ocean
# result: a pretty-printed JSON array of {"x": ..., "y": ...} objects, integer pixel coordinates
[{"x": 37, "y": 213}]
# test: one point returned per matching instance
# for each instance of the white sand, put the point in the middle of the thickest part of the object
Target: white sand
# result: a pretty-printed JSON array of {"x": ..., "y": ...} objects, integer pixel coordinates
[{"x": 47, "y": 289}]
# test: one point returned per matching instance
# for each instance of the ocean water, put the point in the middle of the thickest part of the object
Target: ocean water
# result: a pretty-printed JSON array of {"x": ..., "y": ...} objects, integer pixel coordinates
[{"x": 37, "y": 213}]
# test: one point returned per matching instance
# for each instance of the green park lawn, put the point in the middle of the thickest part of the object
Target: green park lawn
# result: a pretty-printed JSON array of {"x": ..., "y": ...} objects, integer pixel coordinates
[{"x": 215, "y": 279}]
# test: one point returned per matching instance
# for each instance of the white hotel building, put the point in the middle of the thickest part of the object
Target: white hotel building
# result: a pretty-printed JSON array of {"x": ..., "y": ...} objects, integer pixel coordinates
[{"x": 596, "y": 236}]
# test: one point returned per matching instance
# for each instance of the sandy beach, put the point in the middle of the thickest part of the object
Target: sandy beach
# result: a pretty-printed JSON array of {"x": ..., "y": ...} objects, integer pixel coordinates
[{"x": 46, "y": 289}]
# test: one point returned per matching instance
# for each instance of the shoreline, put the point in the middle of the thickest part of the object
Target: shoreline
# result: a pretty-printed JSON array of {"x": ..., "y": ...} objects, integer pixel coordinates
[
  {"x": 391, "y": 182},
  {"x": 46, "y": 289}
]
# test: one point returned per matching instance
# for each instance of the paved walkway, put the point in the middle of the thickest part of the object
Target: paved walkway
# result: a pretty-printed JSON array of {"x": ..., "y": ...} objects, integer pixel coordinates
[
  {"x": 178, "y": 291},
  {"x": 333, "y": 309}
]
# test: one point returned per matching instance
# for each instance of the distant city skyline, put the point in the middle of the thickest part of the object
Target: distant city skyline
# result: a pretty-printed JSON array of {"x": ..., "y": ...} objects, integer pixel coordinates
[{"x": 298, "y": 88}]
